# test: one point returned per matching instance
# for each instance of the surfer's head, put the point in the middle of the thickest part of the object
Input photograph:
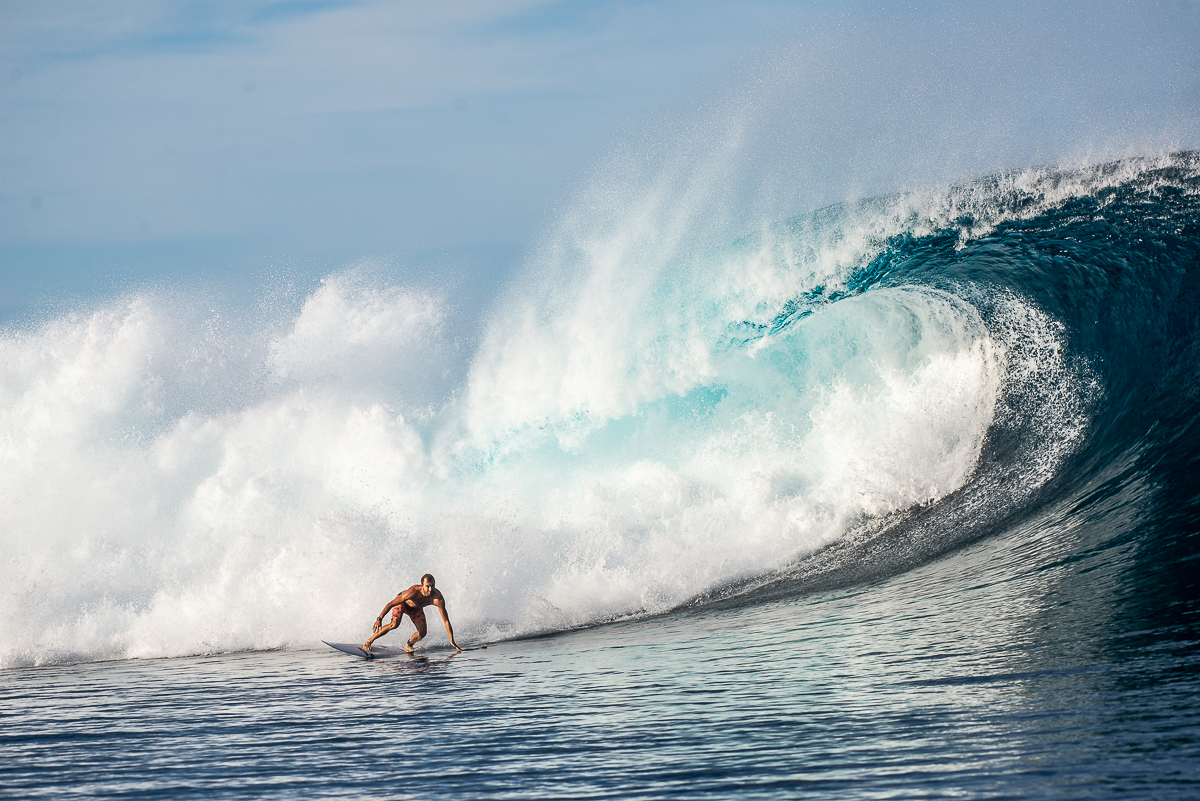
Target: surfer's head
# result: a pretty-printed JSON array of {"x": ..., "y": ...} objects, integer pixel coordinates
[{"x": 427, "y": 581}]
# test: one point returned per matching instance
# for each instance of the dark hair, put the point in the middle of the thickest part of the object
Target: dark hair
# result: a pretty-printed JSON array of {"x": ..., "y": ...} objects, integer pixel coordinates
[{"x": 430, "y": 577}]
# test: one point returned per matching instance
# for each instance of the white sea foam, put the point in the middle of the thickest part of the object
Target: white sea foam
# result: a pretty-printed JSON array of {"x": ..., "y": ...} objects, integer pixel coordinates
[{"x": 294, "y": 516}]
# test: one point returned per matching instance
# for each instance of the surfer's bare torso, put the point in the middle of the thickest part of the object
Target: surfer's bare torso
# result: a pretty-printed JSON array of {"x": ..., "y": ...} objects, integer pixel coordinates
[{"x": 413, "y": 602}]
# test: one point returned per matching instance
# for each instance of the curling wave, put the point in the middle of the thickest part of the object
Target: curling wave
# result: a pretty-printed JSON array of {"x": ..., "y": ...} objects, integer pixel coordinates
[{"x": 644, "y": 424}]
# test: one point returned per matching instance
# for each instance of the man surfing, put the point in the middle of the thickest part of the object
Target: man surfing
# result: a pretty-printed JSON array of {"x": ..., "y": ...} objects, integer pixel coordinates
[{"x": 412, "y": 602}]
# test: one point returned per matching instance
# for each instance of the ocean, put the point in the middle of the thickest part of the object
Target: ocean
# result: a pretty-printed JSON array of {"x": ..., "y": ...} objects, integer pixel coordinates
[{"x": 896, "y": 499}]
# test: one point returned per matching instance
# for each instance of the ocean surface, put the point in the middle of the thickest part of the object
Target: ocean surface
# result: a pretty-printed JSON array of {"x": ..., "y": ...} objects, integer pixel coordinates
[{"x": 898, "y": 499}]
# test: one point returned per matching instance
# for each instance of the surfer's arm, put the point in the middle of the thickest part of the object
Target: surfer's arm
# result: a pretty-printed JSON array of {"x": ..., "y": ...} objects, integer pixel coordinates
[
  {"x": 399, "y": 599},
  {"x": 440, "y": 603}
]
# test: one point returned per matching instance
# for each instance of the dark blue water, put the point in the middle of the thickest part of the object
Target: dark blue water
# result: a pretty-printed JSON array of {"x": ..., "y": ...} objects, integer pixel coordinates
[{"x": 1013, "y": 639}]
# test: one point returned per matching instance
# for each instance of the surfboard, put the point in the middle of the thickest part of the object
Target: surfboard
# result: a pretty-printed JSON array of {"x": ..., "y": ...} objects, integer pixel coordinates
[
  {"x": 356, "y": 649},
  {"x": 378, "y": 651}
]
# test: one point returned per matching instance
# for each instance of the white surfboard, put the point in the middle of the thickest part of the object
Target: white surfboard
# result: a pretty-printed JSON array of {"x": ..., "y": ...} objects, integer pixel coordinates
[
  {"x": 356, "y": 649},
  {"x": 379, "y": 651}
]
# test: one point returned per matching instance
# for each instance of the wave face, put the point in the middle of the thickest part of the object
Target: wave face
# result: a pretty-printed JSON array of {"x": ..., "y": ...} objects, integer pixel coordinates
[{"x": 645, "y": 423}]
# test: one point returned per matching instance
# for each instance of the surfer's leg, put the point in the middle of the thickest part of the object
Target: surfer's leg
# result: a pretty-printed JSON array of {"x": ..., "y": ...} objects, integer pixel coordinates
[
  {"x": 397, "y": 617},
  {"x": 382, "y": 631},
  {"x": 418, "y": 635}
]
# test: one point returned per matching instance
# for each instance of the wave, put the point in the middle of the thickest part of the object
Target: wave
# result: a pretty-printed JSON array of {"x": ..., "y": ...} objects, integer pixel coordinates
[{"x": 646, "y": 423}]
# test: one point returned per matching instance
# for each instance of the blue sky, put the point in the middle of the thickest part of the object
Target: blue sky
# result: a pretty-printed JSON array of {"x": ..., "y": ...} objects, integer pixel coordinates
[{"x": 229, "y": 141}]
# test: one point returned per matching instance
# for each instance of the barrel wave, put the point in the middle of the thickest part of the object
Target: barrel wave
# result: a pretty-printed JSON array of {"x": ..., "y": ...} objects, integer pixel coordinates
[{"x": 646, "y": 423}]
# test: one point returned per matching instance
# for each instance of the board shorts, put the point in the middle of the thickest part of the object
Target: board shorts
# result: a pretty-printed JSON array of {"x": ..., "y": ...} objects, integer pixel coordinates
[{"x": 415, "y": 613}]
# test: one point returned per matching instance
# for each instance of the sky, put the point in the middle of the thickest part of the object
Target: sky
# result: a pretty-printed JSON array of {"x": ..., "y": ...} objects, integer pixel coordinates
[{"x": 230, "y": 143}]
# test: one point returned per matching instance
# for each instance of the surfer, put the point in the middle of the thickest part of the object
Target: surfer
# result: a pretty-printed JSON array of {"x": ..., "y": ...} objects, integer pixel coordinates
[{"x": 412, "y": 602}]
